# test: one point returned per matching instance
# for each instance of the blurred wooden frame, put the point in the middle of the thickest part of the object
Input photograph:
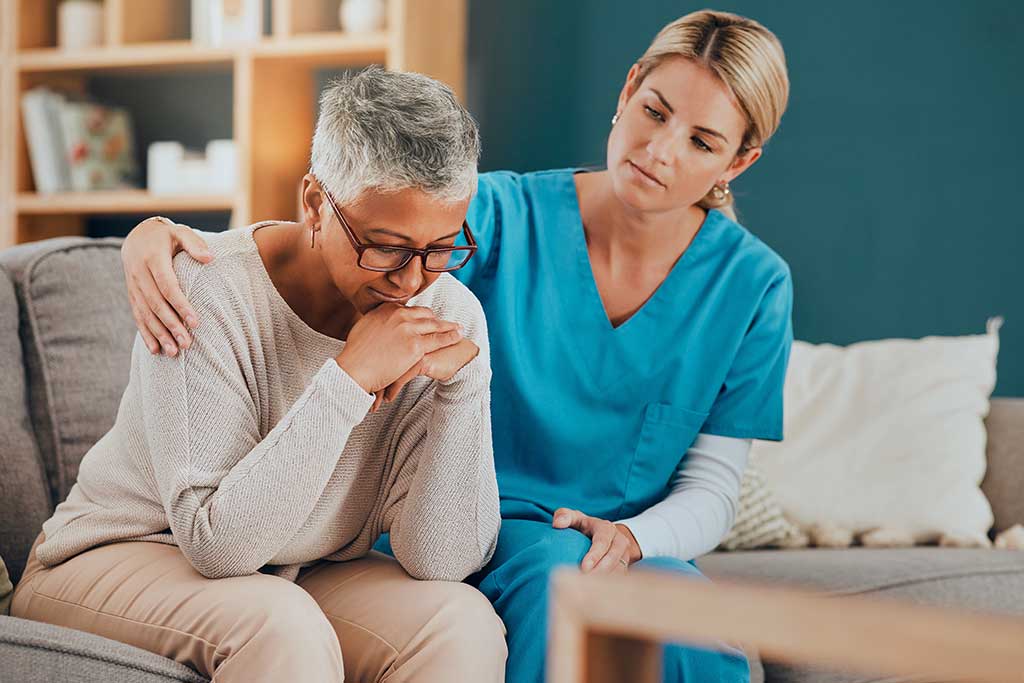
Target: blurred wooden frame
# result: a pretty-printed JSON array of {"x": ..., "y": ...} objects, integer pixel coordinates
[{"x": 609, "y": 628}]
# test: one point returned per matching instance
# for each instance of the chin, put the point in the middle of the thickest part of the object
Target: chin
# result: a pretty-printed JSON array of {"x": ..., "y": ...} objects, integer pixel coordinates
[{"x": 634, "y": 196}]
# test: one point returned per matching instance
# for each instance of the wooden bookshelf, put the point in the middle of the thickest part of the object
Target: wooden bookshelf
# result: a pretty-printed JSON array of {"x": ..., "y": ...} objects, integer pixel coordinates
[{"x": 273, "y": 98}]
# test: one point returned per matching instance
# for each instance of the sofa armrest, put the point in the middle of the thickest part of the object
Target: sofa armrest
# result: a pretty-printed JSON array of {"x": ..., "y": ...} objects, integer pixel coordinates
[
  {"x": 1004, "y": 476},
  {"x": 32, "y": 651}
]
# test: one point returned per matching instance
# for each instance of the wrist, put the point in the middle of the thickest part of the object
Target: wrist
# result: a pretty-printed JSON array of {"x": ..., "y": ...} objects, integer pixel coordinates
[
  {"x": 352, "y": 371},
  {"x": 634, "y": 554}
]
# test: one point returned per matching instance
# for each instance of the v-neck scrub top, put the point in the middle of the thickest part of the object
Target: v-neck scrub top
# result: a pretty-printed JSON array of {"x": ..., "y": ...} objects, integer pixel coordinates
[{"x": 595, "y": 417}]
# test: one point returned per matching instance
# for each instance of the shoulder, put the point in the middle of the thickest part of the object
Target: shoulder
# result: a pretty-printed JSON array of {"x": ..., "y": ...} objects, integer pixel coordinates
[
  {"x": 511, "y": 186},
  {"x": 226, "y": 281},
  {"x": 761, "y": 266}
]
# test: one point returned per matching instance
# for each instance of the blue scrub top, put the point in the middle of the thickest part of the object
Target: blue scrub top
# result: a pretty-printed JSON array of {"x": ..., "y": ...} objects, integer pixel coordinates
[{"x": 598, "y": 418}]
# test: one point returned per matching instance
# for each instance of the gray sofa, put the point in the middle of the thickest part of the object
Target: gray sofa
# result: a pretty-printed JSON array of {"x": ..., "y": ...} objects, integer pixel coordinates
[{"x": 65, "y": 339}]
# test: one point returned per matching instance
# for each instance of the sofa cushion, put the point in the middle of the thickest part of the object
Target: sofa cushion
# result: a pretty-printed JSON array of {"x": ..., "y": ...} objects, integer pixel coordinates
[
  {"x": 30, "y": 651},
  {"x": 24, "y": 495},
  {"x": 986, "y": 580},
  {"x": 956, "y": 577},
  {"x": 77, "y": 332}
]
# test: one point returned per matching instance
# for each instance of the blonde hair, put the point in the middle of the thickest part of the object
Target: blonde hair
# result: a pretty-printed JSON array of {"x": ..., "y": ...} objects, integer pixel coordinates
[{"x": 745, "y": 56}]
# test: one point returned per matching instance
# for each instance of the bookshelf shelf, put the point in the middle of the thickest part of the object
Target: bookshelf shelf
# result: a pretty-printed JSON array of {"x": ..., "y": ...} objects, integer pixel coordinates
[
  {"x": 336, "y": 47},
  {"x": 179, "y": 53},
  {"x": 119, "y": 201},
  {"x": 273, "y": 95}
]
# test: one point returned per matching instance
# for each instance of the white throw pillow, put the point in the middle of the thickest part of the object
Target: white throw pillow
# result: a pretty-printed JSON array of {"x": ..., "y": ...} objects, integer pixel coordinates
[{"x": 886, "y": 435}]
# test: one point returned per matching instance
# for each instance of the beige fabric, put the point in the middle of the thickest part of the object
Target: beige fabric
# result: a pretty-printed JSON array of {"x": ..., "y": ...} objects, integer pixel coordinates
[
  {"x": 254, "y": 447},
  {"x": 366, "y": 617},
  {"x": 886, "y": 435}
]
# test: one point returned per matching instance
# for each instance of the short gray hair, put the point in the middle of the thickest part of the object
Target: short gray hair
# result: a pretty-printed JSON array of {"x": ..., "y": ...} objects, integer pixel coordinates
[{"x": 389, "y": 131}]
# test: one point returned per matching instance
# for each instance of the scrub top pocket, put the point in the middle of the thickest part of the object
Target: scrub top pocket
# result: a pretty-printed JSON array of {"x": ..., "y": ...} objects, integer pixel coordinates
[{"x": 665, "y": 436}]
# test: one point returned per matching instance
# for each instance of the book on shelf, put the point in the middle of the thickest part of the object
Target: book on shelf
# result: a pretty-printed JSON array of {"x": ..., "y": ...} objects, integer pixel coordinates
[
  {"x": 77, "y": 145},
  {"x": 40, "y": 113}
]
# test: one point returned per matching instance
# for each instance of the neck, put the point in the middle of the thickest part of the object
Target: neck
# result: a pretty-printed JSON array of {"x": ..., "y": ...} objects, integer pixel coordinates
[
  {"x": 614, "y": 228},
  {"x": 301, "y": 277}
]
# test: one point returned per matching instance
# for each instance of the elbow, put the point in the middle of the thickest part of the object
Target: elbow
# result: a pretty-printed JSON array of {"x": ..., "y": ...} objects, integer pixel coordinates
[
  {"x": 216, "y": 565},
  {"x": 443, "y": 566}
]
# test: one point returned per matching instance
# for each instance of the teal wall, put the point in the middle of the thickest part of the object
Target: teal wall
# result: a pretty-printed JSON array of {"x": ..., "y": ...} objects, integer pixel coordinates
[{"x": 891, "y": 187}]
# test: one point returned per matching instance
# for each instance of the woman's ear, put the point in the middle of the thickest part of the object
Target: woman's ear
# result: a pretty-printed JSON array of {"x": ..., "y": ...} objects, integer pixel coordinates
[
  {"x": 629, "y": 88},
  {"x": 312, "y": 200},
  {"x": 741, "y": 163}
]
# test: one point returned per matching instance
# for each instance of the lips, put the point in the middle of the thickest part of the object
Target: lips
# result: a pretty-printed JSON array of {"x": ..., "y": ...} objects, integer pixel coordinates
[
  {"x": 389, "y": 299},
  {"x": 647, "y": 174}
]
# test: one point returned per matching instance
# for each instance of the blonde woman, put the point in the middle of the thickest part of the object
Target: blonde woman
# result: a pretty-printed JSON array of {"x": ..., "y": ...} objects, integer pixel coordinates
[
  {"x": 639, "y": 334},
  {"x": 226, "y": 519}
]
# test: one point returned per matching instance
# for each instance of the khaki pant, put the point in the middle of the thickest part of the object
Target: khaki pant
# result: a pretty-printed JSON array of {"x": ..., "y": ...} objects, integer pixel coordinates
[{"x": 389, "y": 626}]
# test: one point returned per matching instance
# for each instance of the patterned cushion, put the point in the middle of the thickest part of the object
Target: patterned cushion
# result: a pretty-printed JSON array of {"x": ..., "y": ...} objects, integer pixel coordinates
[{"x": 759, "y": 519}]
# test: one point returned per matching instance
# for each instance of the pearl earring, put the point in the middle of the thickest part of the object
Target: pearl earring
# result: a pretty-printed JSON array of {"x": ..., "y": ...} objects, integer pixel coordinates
[{"x": 615, "y": 119}]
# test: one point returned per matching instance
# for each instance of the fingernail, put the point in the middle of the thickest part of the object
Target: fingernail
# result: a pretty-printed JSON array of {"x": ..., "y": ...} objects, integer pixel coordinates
[
  {"x": 191, "y": 321},
  {"x": 182, "y": 341},
  {"x": 170, "y": 350}
]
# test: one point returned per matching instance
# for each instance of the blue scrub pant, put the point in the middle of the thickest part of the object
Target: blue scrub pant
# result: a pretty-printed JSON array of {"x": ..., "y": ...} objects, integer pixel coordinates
[{"x": 516, "y": 582}]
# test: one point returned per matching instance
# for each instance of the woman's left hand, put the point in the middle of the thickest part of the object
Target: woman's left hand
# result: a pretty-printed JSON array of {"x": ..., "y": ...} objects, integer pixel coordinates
[
  {"x": 440, "y": 365},
  {"x": 612, "y": 546}
]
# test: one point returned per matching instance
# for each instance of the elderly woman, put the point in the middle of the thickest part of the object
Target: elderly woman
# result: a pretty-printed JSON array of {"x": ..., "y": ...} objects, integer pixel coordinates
[{"x": 226, "y": 519}]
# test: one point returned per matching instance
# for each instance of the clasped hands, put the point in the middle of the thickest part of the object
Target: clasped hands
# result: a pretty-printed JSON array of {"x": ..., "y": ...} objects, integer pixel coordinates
[{"x": 392, "y": 344}]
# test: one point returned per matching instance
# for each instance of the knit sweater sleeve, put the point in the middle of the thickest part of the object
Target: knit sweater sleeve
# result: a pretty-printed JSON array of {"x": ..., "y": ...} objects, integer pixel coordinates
[
  {"x": 443, "y": 511},
  {"x": 232, "y": 497}
]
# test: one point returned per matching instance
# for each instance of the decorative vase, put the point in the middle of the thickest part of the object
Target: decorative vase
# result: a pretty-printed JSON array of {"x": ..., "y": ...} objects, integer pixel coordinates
[
  {"x": 79, "y": 24},
  {"x": 361, "y": 16}
]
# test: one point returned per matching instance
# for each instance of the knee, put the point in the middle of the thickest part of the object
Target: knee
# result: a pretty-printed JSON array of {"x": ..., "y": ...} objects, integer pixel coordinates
[
  {"x": 469, "y": 631},
  {"x": 288, "y": 617},
  {"x": 557, "y": 548}
]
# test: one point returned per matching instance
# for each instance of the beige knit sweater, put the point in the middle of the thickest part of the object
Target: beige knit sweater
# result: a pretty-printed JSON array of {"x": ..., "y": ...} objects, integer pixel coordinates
[{"x": 255, "y": 448}]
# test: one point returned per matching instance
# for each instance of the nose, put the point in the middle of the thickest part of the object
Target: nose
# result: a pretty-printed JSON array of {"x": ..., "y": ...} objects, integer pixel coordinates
[
  {"x": 409, "y": 278},
  {"x": 662, "y": 147}
]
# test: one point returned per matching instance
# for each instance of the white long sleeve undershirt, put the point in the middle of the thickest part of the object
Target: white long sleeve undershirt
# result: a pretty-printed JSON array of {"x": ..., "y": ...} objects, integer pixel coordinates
[{"x": 701, "y": 507}]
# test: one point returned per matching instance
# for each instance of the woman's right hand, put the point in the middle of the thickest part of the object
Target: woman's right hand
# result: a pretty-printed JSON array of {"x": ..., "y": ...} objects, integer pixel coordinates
[
  {"x": 161, "y": 311},
  {"x": 390, "y": 340}
]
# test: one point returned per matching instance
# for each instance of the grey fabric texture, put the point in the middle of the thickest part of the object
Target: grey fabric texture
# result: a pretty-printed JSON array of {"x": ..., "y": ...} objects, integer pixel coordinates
[
  {"x": 1004, "y": 476},
  {"x": 24, "y": 495},
  {"x": 986, "y": 580},
  {"x": 76, "y": 333},
  {"x": 31, "y": 652}
]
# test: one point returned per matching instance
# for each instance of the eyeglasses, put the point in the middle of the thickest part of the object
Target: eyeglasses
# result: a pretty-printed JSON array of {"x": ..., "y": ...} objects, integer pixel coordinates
[{"x": 387, "y": 259}]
